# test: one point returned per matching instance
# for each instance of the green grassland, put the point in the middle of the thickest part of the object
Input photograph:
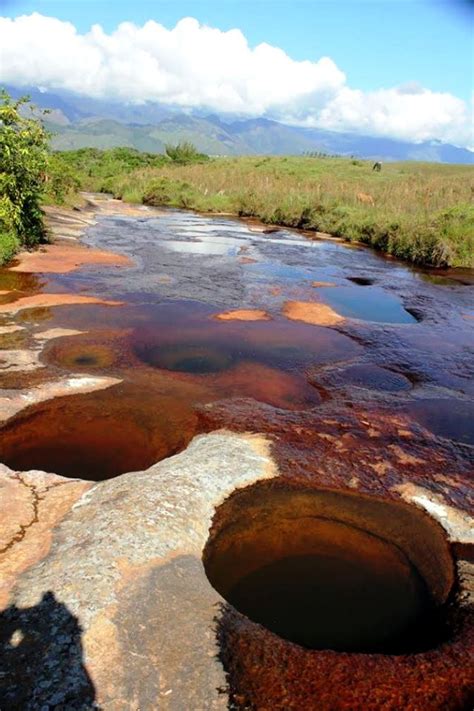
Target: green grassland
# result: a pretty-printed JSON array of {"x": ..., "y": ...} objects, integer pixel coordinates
[{"x": 420, "y": 212}]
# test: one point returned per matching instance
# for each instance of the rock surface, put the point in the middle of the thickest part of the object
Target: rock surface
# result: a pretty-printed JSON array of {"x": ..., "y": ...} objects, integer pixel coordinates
[
  {"x": 121, "y": 561},
  {"x": 106, "y": 583},
  {"x": 57, "y": 333},
  {"x": 23, "y": 360},
  {"x": 62, "y": 258}
]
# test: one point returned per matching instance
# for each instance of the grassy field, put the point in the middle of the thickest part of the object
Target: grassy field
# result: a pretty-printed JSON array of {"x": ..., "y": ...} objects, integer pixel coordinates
[{"x": 420, "y": 212}]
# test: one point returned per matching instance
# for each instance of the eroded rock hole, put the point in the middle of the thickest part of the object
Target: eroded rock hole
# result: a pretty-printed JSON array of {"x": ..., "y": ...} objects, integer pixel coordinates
[
  {"x": 367, "y": 375},
  {"x": 97, "y": 436},
  {"x": 82, "y": 355},
  {"x": 416, "y": 313},
  {"x": 361, "y": 281},
  {"x": 330, "y": 570},
  {"x": 86, "y": 360},
  {"x": 185, "y": 358}
]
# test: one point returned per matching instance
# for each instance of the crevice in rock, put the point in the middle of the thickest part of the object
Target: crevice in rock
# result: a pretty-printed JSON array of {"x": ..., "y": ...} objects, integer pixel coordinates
[{"x": 35, "y": 503}]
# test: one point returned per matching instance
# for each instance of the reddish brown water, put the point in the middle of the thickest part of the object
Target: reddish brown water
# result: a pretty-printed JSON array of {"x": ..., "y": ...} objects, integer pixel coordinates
[{"x": 174, "y": 356}]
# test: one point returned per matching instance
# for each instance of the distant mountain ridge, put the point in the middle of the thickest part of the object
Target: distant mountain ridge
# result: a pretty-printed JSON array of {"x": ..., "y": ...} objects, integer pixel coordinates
[{"x": 79, "y": 122}]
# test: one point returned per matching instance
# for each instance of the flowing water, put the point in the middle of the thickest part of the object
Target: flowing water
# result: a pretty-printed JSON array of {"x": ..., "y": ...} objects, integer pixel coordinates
[{"x": 406, "y": 336}]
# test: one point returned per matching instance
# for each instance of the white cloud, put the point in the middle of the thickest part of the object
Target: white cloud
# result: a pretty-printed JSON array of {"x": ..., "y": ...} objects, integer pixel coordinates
[
  {"x": 410, "y": 116},
  {"x": 194, "y": 65}
]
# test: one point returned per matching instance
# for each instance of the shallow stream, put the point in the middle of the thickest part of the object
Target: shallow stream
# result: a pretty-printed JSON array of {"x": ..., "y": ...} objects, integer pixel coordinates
[{"x": 405, "y": 344}]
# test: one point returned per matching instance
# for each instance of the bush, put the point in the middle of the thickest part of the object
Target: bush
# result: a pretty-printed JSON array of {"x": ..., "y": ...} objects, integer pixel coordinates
[
  {"x": 62, "y": 180},
  {"x": 97, "y": 170},
  {"x": 9, "y": 244},
  {"x": 184, "y": 153},
  {"x": 23, "y": 174}
]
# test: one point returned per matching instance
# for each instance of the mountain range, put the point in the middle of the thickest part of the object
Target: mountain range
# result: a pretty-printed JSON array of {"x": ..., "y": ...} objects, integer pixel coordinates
[{"x": 78, "y": 121}]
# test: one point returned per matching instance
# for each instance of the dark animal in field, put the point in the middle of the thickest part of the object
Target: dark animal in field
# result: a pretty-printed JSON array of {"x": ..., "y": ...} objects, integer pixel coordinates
[{"x": 377, "y": 166}]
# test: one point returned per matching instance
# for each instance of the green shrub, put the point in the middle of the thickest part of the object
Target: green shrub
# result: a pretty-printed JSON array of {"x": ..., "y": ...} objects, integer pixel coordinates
[
  {"x": 23, "y": 175},
  {"x": 98, "y": 170},
  {"x": 9, "y": 244},
  {"x": 63, "y": 180},
  {"x": 184, "y": 153}
]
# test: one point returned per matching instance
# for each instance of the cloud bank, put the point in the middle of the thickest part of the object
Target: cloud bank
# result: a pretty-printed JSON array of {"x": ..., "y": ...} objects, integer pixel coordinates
[{"x": 193, "y": 65}]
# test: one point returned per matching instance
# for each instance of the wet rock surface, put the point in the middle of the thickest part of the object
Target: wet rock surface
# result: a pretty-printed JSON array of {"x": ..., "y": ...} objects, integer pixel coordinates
[{"x": 364, "y": 386}]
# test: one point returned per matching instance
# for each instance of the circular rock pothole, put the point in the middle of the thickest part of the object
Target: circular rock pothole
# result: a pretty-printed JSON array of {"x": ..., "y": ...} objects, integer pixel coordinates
[
  {"x": 373, "y": 377},
  {"x": 417, "y": 314},
  {"x": 332, "y": 570},
  {"x": 198, "y": 359},
  {"x": 97, "y": 436},
  {"x": 81, "y": 355},
  {"x": 361, "y": 281}
]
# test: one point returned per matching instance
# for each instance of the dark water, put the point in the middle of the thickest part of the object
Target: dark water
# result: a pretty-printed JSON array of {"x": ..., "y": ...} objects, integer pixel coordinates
[
  {"x": 453, "y": 419},
  {"x": 361, "y": 281},
  {"x": 373, "y": 377},
  {"x": 324, "y": 602},
  {"x": 185, "y": 337}
]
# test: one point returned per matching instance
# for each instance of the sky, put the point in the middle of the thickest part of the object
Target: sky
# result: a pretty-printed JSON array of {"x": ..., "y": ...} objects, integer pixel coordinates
[{"x": 398, "y": 68}]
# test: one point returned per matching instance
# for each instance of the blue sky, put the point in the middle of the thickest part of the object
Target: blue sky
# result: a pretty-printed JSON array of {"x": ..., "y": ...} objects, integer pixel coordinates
[
  {"x": 377, "y": 43},
  {"x": 395, "y": 68}
]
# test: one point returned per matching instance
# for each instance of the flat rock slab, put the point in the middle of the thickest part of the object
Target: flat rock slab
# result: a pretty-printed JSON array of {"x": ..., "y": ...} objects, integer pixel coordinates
[
  {"x": 244, "y": 315},
  {"x": 114, "y": 601},
  {"x": 52, "y": 333},
  {"x": 311, "y": 312},
  {"x": 46, "y": 300},
  {"x": 19, "y": 360},
  {"x": 63, "y": 258}
]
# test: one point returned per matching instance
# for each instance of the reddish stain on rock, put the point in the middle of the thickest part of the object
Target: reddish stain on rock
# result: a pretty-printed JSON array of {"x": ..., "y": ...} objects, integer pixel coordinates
[
  {"x": 61, "y": 258},
  {"x": 265, "y": 672},
  {"x": 244, "y": 315},
  {"x": 311, "y": 312},
  {"x": 48, "y": 300}
]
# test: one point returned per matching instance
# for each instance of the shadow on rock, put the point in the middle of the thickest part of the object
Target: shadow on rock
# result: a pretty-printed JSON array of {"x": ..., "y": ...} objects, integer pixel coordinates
[{"x": 42, "y": 664}]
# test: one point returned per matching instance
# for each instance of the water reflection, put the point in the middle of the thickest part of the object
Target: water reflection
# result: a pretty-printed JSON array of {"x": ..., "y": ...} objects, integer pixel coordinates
[{"x": 370, "y": 304}]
